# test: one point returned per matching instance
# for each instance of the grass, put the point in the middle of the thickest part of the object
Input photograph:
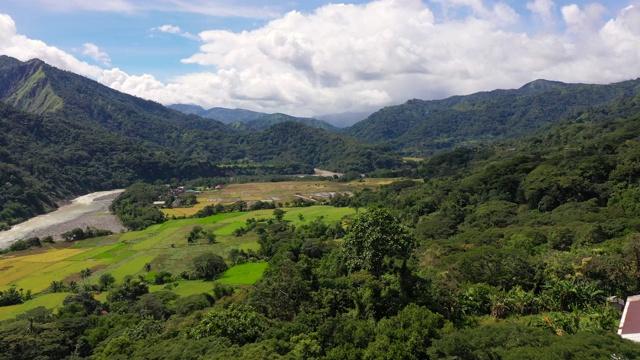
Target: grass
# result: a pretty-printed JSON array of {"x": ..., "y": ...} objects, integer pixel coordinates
[
  {"x": 131, "y": 267},
  {"x": 49, "y": 301},
  {"x": 186, "y": 288},
  {"x": 244, "y": 274}
]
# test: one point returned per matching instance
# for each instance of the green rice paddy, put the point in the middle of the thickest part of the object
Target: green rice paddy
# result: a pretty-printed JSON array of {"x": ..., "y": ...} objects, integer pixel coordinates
[
  {"x": 244, "y": 273},
  {"x": 164, "y": 246}
]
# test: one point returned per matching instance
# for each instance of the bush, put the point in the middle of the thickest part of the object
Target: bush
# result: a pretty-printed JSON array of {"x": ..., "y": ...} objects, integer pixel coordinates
[
  {"x": 190, "y": 304},
  {"x": 208, "y": 266},
  {"x": 163, "y": 277}
]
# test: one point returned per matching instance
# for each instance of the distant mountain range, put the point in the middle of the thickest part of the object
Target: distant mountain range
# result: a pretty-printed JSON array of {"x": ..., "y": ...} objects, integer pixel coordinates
[
  {"x": 63, "y": 135},
  {"x": 252, "y": 119},
  {"x": 420, "y": 127}
]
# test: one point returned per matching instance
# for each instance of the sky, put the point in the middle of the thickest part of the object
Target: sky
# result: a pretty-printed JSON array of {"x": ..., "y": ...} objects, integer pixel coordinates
[{"x": 310, "y": 58}]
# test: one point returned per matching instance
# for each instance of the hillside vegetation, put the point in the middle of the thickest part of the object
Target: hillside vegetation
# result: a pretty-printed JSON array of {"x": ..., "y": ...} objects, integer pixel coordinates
[
  {"x": 505, "y": 251},
  {"x": 421, "y": 127}
]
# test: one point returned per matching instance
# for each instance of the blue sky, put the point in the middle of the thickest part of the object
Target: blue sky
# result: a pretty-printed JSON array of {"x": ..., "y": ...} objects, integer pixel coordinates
[{"x": 314, "y": 57}]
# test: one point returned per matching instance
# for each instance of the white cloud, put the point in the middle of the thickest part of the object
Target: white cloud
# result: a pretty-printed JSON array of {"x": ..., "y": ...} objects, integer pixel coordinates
[
  {"x": 94, "y": 52},
  {"x": 232, "y": 8},
  {"x": 583, "y": 21},
  {"x": 23, "y": 48},
  {"x": 91, "y": 5},
  {"x": 543, "y": 10},
  {"x": 175, "y": 30},
  {"x": 338, "y": 59}
]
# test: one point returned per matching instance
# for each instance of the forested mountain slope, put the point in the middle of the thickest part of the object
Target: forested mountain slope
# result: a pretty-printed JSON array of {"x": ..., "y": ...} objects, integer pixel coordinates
[
  {"x": 293, "y": 141},
  {"x": 254, "y": 120},
  {"x": 422, "y": 127},
  {"x": 533, "y": 213},
  {"x": 39, "y": 88},
  {"x": 45, "y": 159}
]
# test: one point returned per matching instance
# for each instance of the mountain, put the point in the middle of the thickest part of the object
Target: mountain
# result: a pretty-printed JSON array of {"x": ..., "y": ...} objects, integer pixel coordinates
[
  {"x": 295, "y": 142},
  {"x": 254, "y": 120},
  {"x": 63, "y": 135},
  {"x": 188, "y": 109},
  {"x": 264, "y": 122},
  {"x": 36, "y": 87},
  {"x": 44, "y": 159},
  {"x": 346, "y": 119},
  {"x": 422, "y": 127}
]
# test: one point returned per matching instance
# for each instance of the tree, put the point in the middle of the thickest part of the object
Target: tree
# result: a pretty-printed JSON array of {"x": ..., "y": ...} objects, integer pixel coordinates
[
  {"x": 407, "y": 335},
  {"x": 147, "y": 267},
  {"x": 57, "y": 286},
  {"x": 240, "y": 324},
  {"x": 106, "y": 280},
  {"x": 211, "y": 237},
  {"x": 84, "y": 274},
  {"x": 279, "y": 214},
  {"x": 194, "y": 234},
  {"x": 208, "y": 266},
  {"x": 129, "y": 290},
  {"x": 374, "y": 240}
]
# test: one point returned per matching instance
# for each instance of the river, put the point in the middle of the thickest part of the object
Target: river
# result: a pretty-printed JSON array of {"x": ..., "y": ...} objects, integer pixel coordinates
[{"x": 88, "y": 210}]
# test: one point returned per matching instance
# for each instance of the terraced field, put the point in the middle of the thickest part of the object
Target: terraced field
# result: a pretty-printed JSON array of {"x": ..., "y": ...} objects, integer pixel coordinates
[{"x": 163, "y": 246}]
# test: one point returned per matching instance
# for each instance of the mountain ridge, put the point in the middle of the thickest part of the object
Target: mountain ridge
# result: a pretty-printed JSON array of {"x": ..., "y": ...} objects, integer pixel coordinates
[
  {"x": 421, "y": 127},
  {"x": 254, "y": 120}
]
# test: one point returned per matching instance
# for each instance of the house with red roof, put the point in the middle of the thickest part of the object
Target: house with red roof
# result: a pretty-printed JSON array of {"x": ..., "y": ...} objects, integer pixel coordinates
[{"x": 630, "y": 324}]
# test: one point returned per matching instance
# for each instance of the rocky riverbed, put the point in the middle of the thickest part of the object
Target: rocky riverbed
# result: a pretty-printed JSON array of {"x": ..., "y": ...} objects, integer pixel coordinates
[{"x": 85, "y": 211}]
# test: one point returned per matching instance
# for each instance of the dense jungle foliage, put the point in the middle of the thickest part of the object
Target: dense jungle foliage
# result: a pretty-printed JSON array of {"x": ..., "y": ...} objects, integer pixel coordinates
[{"x": 507, "y": 251}]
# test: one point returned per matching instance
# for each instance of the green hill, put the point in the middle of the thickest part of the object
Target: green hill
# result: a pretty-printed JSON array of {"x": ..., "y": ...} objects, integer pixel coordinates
[
  {"x": 421, "y": 127},
  {"x": 296, "y": 142}
]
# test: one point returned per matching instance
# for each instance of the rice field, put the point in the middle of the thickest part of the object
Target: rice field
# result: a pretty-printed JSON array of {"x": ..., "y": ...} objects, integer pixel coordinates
[
  {"x": 163, "y": 246},
  {"x": 245, "y": 274},
  {"x": 283, "y": 192}
]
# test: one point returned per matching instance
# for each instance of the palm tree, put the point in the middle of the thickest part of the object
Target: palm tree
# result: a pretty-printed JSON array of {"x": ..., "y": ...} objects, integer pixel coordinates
[
  {"x": 73, "y": 287},
  {"x": 500, "y": 304},
  {"x": 84, "y": 274},
  {"x": 56, "y": 286}
]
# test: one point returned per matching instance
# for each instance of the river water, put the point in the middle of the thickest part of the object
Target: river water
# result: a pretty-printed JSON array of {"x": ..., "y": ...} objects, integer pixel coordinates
[{"x": 88, "y": 210}]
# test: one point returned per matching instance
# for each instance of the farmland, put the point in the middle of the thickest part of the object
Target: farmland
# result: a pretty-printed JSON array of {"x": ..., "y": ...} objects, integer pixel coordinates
[
  {"x": 163, "y": 246},
  {"x": 279, "y": 192}
]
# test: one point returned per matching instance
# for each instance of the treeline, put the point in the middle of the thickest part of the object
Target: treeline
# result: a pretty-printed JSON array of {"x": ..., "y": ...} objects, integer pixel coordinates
[
  {"x": 68, "y": 236},
  {"x": 134, "y": 207}
]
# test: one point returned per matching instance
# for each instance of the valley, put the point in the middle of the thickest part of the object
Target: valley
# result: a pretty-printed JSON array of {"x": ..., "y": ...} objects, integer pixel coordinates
[{"x": 456, "y": 226}]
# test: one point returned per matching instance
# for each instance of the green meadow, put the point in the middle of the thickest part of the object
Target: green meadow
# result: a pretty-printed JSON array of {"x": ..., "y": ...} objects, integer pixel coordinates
[{"x": 163, "y": 246}]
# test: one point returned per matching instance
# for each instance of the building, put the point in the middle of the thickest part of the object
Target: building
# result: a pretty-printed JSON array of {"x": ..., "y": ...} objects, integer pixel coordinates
[{"x": 630, "y": 323}]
